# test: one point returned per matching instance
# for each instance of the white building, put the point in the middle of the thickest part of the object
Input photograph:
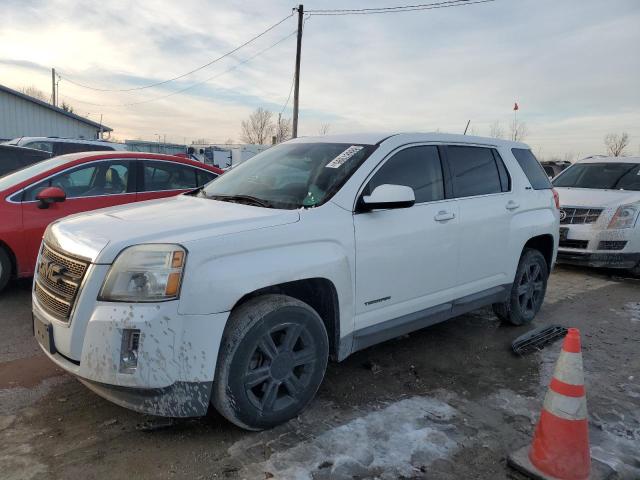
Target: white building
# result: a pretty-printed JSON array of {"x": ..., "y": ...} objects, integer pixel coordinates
[{"x": 25, "y": 116}]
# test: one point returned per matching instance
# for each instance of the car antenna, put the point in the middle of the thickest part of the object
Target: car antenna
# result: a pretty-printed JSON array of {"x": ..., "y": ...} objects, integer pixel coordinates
[{"x": 467, "y": 127}]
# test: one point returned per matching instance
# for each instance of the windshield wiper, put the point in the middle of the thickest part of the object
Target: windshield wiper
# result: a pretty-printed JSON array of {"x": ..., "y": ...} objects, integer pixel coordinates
[{"x": 242, "y": 198}]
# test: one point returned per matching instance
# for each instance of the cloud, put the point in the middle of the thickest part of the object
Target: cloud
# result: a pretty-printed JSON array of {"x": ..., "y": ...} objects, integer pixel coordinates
[{"x": 573, "y": 67}]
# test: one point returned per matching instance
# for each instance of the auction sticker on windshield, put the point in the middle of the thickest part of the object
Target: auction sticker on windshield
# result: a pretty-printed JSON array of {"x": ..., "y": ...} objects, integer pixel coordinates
[{"x": 344, "y": 156}]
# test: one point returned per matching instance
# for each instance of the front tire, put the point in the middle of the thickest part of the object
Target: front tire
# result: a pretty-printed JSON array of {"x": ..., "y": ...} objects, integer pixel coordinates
[
  {"x": 5, "y": 268},
  {"x": 271, "y": 362},
  {"x": 528, "y": 290}
]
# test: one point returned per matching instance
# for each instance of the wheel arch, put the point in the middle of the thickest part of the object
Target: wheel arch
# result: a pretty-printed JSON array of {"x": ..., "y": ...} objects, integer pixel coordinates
[
  {"x": 12, "y": 258},
  {"x": 320, "y": 294},
  {"x": 544, "y": 244}
]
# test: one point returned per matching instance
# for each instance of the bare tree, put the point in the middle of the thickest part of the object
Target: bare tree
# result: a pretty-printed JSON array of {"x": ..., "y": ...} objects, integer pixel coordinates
[
  {"x": 229, "y": 141},
  {"x": 616, "y": 143},
  {"x": 283, "y": 130},
  {"x": 324, "y": 129},
  {"x": 519, "y": 131},
  {"x": 258, "y": 128},
  {"x": 66, "y": 107},
  {"x": 495, "y": 130},
  {"x": 35, "y": 92}
]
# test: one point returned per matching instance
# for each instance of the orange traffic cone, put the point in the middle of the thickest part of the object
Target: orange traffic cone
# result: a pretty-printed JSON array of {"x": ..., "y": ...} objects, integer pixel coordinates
[{"x": 560, "y": 447}]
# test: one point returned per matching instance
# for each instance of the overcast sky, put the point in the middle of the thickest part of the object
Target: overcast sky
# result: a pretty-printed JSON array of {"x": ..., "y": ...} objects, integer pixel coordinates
[{"x": 573, "y": 66}]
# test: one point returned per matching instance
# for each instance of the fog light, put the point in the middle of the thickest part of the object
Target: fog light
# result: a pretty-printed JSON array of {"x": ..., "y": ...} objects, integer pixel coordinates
[{"x": 129, "y": 350}]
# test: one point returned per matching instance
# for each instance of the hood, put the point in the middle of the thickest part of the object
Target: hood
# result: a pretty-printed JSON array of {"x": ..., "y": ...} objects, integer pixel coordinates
[
  {"x": 100, "y": 235},
  {"x": 589, "y": 197}
]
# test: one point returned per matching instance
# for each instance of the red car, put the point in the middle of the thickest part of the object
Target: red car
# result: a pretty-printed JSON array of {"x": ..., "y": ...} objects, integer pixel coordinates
[{"x": 35, "y": 196}]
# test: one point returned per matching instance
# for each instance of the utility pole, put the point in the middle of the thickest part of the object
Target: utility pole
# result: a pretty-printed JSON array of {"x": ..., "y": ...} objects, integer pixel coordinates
[
  {"x": 53, "y": 87},
  {"x": 279, "y": 129},
  {"x": 296, "y": 90}
]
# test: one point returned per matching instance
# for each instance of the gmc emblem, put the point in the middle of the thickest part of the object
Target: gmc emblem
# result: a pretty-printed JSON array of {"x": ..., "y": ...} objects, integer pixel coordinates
[{"x": 51, "y": 271}]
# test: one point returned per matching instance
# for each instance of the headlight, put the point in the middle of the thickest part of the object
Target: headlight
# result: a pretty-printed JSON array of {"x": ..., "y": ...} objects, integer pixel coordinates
[
  {"x": 145, "y": 273},
  {"x": 625, "y": 216}
]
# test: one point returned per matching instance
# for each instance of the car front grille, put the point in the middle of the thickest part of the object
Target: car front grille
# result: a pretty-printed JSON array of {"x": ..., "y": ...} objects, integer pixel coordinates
[
  {"x": 57, "y": 281},
  {"x": 612, "y": 244},
  {"x": 579, "y": 216},
  {"x": 580, "y": 244}
]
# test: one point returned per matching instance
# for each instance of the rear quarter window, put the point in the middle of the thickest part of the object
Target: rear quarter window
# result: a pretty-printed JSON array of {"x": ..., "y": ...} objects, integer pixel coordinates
[{"x": 532, "y": 168}]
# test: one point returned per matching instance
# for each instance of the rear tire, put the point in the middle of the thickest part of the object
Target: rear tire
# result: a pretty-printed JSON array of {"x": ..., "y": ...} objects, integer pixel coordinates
[
  {"x": 635, "y": 271},
  {"x": 272, "y": 360},
  {"x": 528, "y": 290},
  {"x": 5, "y": 268}
]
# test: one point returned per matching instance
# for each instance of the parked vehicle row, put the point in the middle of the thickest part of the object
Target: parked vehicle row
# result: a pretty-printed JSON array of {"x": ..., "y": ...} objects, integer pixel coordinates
[
  {"x": 238, "y": 293},
  {"x": 34, "y": 196}
]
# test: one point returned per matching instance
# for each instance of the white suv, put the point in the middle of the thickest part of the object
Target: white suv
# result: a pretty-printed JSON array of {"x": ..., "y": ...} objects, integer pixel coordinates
[
  {"x": 237, "y": 294},
  {"x": 61, "y": 146},
  {"x": 599, "y": 227}
]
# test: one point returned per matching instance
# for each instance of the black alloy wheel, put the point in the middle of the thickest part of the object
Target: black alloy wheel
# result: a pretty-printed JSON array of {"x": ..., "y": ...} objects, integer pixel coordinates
[{"x": 272, "y": 359}]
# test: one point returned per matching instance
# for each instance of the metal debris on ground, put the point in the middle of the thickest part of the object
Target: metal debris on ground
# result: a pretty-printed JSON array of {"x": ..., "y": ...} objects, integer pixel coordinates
[
  {"x": 537, "y": 339},
  {"x": 373, "y": 366},
  {"x": 153, "y": 424}
]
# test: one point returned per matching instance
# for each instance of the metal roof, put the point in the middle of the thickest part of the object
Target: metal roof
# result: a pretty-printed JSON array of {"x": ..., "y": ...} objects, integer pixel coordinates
[{"x": 55, "y": 109}]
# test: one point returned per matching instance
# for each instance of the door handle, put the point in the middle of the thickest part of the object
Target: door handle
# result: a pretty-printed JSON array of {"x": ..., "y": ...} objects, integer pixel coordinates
[
  {"x": 443, "y": 216},
  {"x": 511, "y": 205}
]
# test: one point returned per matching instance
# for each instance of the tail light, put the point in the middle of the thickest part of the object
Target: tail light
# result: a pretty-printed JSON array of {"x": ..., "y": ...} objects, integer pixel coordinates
[{"x": 556, "y": 198}]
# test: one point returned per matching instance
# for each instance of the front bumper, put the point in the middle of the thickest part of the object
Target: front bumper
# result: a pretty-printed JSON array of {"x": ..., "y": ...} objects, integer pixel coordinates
[
  {"x": 595, "y": 259},
  {"x": 182, "y": 399},
  {"x": 177, "y": 354}
]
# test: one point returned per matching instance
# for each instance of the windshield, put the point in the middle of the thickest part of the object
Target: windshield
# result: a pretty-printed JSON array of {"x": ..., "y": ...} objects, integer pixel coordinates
[
  {"x": 26, "y": 173},
  {"x": 601, "y": 176},
  {"x": 290, "y": 175}
]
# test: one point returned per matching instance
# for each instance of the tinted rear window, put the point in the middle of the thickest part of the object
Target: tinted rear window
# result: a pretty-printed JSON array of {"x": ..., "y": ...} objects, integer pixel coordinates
[
  {"x": 474, "y": 171},
  {"x": 532, "y": 168},
  {"x": 15, "y": 158}
]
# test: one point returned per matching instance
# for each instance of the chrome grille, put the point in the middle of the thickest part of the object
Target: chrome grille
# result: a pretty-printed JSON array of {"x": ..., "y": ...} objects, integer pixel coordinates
[
  {"x": 579, "y": 216},
  {"x": 58, "y": 278},
  {"x": 51, "y": 303}
]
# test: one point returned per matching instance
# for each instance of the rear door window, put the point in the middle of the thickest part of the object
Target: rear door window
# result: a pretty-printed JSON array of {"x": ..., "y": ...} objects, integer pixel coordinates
[
  {"x": 15, "y": 158},
  {"x": 532, "y": 169},
  {"x": 44, "y": 146},
  {"x": 474, "y": 171},
  {"x": 62, "y": 148},
  {"x": 159, "y": 176},
  {"x": 415, "y": 167}
]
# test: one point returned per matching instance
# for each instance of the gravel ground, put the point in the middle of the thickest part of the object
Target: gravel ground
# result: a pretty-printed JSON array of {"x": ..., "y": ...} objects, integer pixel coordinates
[{"x": 446, "y": 402}]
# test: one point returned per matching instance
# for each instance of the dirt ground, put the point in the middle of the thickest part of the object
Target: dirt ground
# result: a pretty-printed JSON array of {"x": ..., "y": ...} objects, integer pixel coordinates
[{"x": 447, "y": 402}]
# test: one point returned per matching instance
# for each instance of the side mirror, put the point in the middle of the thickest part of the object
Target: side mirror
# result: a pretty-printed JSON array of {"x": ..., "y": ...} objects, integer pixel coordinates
[
  {"x": 388, "y": 196},
  {"x": 50, "y": 195}
]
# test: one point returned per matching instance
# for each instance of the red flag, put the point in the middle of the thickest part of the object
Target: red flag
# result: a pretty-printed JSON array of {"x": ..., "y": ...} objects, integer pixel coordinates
[{"x": 516, "y": 107}]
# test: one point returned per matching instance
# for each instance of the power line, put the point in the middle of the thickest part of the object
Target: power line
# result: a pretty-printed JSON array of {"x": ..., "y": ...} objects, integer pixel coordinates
[
  {"x": 397, "y": 9},
  {"x": 284, "y": 107},
  {"x": 331, "y": 10},
  {"x": 245, "y": 61},
  {"x": 184, "y": 74}
]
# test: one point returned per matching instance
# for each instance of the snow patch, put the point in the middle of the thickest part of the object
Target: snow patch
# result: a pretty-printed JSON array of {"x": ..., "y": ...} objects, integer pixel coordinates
[
  {"x": 633, "y": 309},
  {"x": 389, "y": 443}
]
